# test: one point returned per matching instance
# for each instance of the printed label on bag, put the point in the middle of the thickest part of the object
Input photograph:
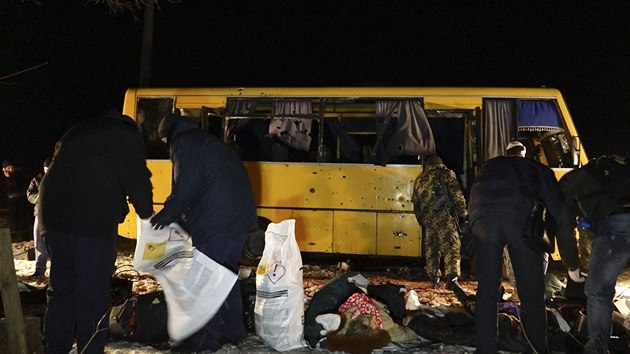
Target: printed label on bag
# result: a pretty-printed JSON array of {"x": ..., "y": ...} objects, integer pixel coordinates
[
  {"x": 154, "y": 250},
  {"x": 276, "y": 272}
]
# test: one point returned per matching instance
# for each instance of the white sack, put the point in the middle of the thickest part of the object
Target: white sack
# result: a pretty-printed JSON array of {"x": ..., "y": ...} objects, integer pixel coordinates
[
  {"x": 195, "y": 286},
  {"x": 279, "y": 308}
]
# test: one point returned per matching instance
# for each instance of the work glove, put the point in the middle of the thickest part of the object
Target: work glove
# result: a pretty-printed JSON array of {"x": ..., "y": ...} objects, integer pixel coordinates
[
  {"x": 576, "y": 276},
  {"x": 160, "y": 220}
]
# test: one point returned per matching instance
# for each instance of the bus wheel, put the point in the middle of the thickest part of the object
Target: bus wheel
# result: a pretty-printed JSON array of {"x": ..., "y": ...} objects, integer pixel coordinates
[{"x": 255, "y": 244}]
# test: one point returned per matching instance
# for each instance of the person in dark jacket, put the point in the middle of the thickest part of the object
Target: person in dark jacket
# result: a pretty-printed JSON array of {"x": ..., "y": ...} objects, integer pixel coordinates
[
  {"x": 97, "y": 166},
  {"x": 19, "y": 210},
  {"x": 32, "y": 194},
  {"x": 501, "y": 199},
  {"x": 212, "y": 195},
  {"x": 602, "y": 201}
]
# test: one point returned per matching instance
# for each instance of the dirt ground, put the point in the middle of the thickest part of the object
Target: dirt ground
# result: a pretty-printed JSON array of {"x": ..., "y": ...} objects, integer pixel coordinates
[
  {"x": 411, "y": 276},
  {"x": 408, "y": 274}
]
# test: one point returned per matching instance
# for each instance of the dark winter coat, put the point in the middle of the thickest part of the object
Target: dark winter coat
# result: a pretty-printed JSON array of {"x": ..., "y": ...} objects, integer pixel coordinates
[
  {"x": 593, "y": 192},
  {"x": 211, "y": 192},
  {"x": 98, "y": 164},
  {"x": 587, "y": 196},
  {"x": 498, "y": 192},
  {"x": 32, "y": 192}
]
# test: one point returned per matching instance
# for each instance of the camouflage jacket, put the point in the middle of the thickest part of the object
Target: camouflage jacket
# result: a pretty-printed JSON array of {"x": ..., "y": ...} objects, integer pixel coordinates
[{"x": 437, "y": 189}]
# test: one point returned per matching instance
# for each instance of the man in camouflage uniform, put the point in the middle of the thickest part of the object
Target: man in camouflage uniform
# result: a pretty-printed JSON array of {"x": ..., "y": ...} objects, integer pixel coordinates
[{"x": 439, "y": 206}]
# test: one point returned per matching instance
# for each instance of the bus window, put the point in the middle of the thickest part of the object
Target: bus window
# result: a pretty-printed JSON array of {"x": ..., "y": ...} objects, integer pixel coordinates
[
  {"x": 149, "y": 112},
  {"x": 336, "y": 130},
  {"x": 451, "y": 131},
  {"x": 536, "y": 123}
]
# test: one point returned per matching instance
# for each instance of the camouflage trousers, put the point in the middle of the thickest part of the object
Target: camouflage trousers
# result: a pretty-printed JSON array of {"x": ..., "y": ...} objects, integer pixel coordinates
[{"x": 442, "y": 240}]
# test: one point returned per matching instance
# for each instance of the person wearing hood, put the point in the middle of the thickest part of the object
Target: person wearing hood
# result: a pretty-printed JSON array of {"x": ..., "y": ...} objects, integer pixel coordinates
[
  {"x": 439, "y": 206},
  {"x": 99, "y": 165},
  {"x": 213, "y": 199},
  {"x": 501, "y": 200}
]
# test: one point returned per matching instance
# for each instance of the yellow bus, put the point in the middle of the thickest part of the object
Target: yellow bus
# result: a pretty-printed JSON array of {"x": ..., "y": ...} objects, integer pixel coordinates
[{"x": 341, "y": 161}]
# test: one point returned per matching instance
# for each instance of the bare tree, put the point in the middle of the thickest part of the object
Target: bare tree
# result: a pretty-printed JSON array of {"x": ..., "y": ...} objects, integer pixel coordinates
[{"x": 132, "y": 6}]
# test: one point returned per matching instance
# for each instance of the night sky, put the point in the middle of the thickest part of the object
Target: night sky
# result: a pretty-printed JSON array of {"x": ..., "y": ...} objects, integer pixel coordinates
[{"x": 580, "y": 47}]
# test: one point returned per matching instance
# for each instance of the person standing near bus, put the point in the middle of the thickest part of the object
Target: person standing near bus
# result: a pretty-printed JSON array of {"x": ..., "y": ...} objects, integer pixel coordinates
[
  {"x": 98, "y": 165},
  {"x": 32, "y": 194},
  {"x": 439, "y": 206},
  {"x": 14, "y": 186},
  {"x": 213, "y": 195},
  {"x": 598, "y": 194},
  {"x": 501, "y": 199}
]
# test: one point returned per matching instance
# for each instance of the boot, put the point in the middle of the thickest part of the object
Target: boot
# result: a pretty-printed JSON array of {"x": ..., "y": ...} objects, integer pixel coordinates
[{"x": 435, "y": 280}]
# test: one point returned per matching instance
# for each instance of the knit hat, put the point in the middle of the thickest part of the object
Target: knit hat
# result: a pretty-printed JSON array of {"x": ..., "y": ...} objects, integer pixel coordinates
[
  {"x": 514, "y": 143},
  {"x": 515, "y": 148},
  {"x": 433, "y": 160}
]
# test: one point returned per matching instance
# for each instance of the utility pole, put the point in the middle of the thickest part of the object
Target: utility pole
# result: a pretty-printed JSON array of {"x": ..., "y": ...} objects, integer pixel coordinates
[{"x": 147, "y": 46}]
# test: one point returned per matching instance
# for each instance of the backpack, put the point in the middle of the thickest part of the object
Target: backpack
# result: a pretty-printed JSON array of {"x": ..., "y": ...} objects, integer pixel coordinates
[
  {"x": 443, "y": 200},
  {"x": 140, "y": 318},
  {"x": 613, "y": 174}
]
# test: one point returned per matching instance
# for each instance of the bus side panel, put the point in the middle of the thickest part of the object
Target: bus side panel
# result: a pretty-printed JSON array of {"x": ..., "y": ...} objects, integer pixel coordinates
[
  {"x": 275, "y": 215},
  {"x": 354, "y": 232},
  {"x": 398, "y": 235},
  {"x": 313, "y": 230},
  {"x": 395, "y": 186},
  {"x": 161, "y": 179},
  {"x": 558, "y": 172},
  {"x": 323, "y": 186},
  {"x": 128, "y": 228}
]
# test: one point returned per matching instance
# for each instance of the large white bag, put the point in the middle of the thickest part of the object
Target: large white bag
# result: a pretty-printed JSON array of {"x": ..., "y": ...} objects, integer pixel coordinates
[
  {"x": 195, "y": 286},
  {"x": 279, "y": 308}
]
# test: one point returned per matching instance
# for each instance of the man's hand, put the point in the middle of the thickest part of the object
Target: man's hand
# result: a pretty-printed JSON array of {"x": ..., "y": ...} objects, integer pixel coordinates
[
  {"x": 160, "y": 221},
  {"x": 148, "y": 218},
  {"x": 576, "y": 276}
]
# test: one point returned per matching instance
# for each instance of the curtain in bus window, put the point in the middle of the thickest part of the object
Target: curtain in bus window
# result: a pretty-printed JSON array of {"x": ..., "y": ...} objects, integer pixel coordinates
[
  {"x": 402, "y": 129},
  {"x": 292, "y": 131},
  {"x": 238, "y": 108},
  {"x": 497, "y": 127},
  {"x": 538, "y": 116}
]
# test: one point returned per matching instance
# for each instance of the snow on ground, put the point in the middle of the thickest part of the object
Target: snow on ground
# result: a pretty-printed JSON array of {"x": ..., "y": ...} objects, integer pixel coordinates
[
  {"x": 313, "y": 279},
  {"x": 253, "y": 344}
]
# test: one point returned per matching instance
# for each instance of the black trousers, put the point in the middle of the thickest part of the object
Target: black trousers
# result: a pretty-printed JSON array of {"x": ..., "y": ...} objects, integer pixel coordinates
[
  {"x": 491, "y": 235},
  {"x": 79, "y": 292}
]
